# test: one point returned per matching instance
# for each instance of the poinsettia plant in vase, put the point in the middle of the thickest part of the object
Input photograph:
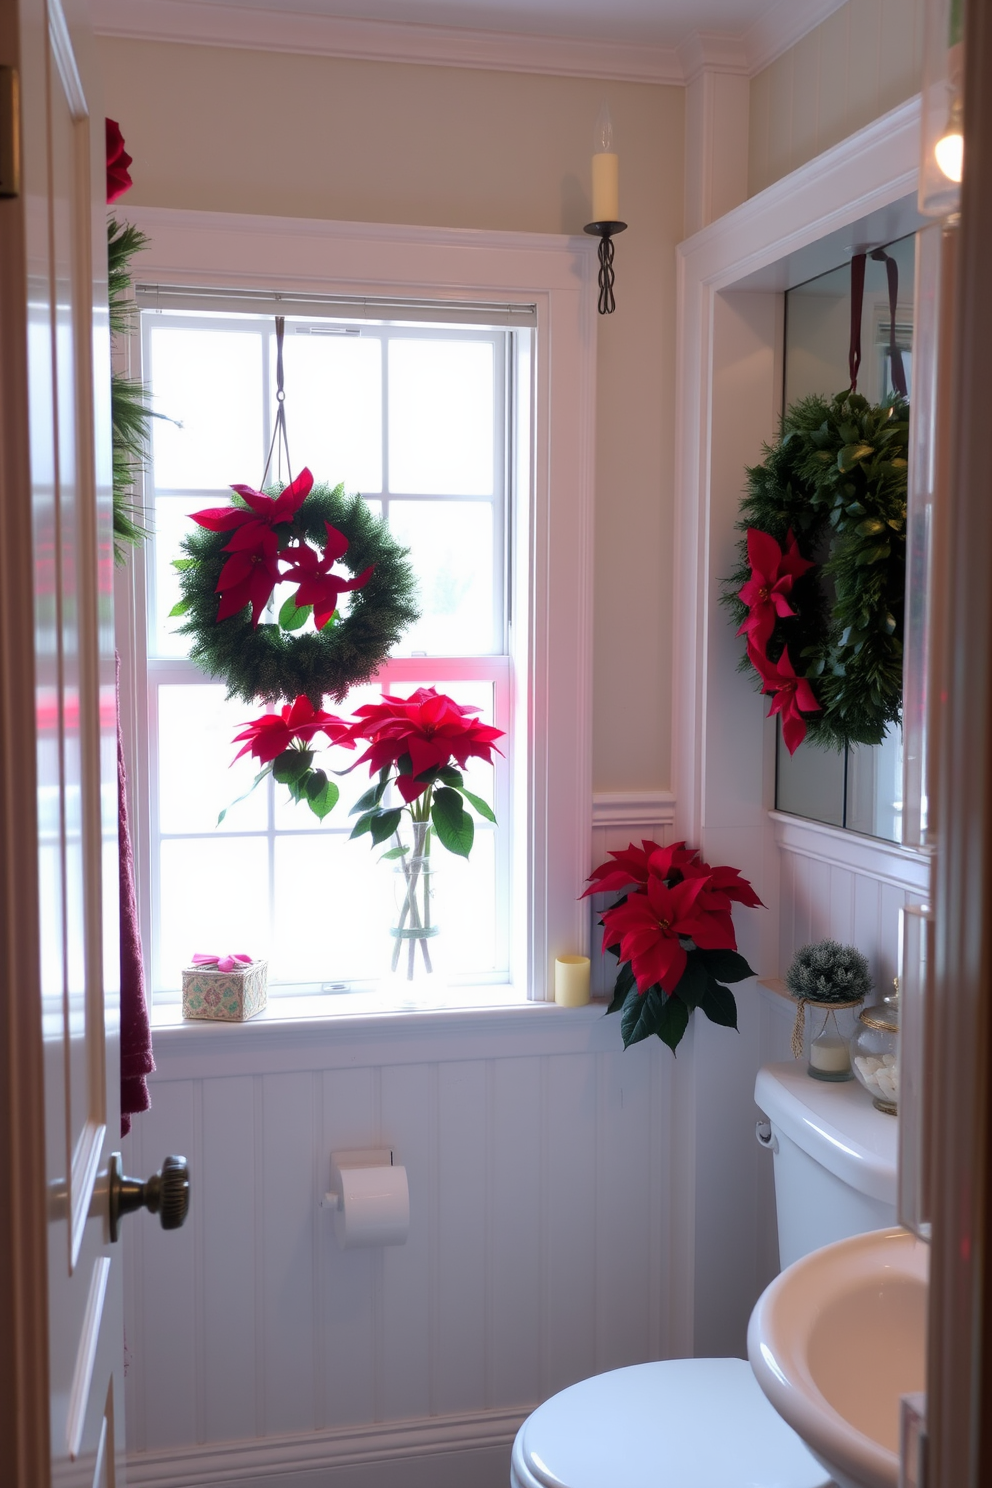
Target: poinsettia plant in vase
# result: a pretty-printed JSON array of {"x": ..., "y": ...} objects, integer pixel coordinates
[
  {"x": 673, "y": 935},
  {"x": 419, "y": 746}
]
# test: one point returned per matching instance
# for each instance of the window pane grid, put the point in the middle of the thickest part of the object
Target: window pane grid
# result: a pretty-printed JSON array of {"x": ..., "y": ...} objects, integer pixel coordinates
[{"x": 270, "y": 871}]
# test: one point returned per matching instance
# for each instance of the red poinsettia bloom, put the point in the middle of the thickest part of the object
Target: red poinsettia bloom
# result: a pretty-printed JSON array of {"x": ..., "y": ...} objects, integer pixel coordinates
[
  {"x": 259, "y": 515},
  {"x": 118, "y": 161},
  {"x": 318, "y": 586},
  {"x": 649, "y": 925},
  {"x": 428, "y": 728},
  {"x": 793, "y": 696},
  {"x": 249, "y": 577},
  {"x": 772, "y": 574},
  {"x": 273, "y": 733},
  {"x": 634, "y": 864}
]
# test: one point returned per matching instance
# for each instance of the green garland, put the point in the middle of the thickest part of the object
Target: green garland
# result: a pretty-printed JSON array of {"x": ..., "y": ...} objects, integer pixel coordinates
[
  {"x": 130, "y": 412},
  {"x": 272, "y": 662},
  {"x": 836, "y": 478}
]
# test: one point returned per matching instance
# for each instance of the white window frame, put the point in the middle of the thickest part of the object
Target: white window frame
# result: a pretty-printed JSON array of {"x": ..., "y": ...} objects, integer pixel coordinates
[{"x": 551, "y": 576}]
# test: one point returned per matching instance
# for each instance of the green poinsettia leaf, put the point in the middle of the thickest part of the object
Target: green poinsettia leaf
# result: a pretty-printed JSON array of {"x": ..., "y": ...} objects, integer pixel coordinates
[
  {"x": 693, "y": 981},
  {"x": 481, "y": 806},
  {"x": 384, "y": 824},
  {"x": 450, "y": 775},
  {"x": 322, "y": 794},
  {"x": 640, "y": 1015},
  {"x": 673, "y": 1022},
  {"x": 293, "y": 618},
  {"x": 183, "y": 563},
  {"x": 725, "y": 966},
  {"x": 260, "y": 776},
  {"x": 719, "y": 1006},
  {"x": 181, "y": 607},
  {"x": 621, "y": 987},
  {"x": 291, "y": 764},
  {"x": 393, "y": 854},
  {"x": 454, "y": 827},
  {"x": 370, "y": 799},
  {"x": 363, "y": 825}
]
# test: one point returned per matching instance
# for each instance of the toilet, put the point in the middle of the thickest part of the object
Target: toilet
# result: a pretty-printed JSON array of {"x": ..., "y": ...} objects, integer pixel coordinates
[{"x": 704, "y": 1423}]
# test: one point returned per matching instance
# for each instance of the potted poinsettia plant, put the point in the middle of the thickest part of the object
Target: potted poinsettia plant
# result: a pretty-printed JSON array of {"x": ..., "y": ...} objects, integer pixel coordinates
[
  {"x": 673, "y": 935},
  {"x": 420, "y": 745}
]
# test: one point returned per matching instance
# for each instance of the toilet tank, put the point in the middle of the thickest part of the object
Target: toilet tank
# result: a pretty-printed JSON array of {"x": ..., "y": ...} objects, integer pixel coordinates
[{"x": 834, "y": 1157}]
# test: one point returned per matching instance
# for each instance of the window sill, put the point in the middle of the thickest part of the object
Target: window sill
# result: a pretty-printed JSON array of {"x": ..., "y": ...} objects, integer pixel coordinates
[
  {"x": 345, "y": 1031},
  {"x": 369, "y": 1005}
]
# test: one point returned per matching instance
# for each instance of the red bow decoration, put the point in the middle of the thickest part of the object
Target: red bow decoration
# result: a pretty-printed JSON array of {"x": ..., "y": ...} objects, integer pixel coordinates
[
  {"x": 792, "y": 696},
  {"x": 772, "y": 575},
  {"x": 222, "y": 963}
]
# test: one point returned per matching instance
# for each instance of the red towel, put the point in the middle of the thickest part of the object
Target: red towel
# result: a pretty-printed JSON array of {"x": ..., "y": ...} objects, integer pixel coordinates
[{"x": 136, "y": 1034}]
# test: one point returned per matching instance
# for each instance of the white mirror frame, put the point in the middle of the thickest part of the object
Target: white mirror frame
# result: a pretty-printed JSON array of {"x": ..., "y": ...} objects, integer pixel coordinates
[{"x": 732, "y": 277}]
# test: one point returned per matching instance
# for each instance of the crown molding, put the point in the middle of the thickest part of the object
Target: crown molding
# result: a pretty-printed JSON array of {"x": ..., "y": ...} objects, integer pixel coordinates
[
  {"x": 278, "y": 30},
  {"x": 783, "y": 24},
  {"x": 712, "y": 52}
]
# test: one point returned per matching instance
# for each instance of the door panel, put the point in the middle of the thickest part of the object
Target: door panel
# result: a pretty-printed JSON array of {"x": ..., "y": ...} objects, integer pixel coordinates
[{"x": 64, "y": 228}]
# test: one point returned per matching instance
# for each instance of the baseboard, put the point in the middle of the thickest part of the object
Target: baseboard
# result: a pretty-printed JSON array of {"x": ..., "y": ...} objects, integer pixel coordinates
[{"x": 434, "y": 1452}]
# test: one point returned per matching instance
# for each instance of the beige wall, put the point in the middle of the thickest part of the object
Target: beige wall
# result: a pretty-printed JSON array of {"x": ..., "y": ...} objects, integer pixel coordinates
[
  {"x": 299, "y": 136},
  {"x": 862, "y": 61}
]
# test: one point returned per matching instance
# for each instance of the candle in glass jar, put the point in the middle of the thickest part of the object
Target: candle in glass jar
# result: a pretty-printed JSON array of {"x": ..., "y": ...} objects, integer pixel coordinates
[{"x": 829, "y": 1054}]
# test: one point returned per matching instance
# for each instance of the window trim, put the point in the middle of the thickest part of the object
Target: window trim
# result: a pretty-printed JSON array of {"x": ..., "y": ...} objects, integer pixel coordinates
[{"x": 551, "y": 596}]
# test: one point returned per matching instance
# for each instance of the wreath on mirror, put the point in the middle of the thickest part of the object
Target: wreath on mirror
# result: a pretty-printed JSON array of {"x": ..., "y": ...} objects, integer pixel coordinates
[
  {"x": 818, "y": 591},
  {"x": 296, "y": 533}
]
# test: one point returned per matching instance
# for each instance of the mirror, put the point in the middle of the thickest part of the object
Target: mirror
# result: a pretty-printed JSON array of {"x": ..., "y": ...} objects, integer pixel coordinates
[{"x": 860, "y": 788}]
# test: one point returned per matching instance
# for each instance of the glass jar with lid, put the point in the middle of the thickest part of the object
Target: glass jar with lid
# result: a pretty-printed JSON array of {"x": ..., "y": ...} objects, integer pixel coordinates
[{"x": 875, "y": 1051}]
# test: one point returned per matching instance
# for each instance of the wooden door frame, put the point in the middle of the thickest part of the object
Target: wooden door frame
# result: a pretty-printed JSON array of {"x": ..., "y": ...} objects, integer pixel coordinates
[
  {"x": 960, "y": 1304},
  {"x": 24, "y": 1373}
]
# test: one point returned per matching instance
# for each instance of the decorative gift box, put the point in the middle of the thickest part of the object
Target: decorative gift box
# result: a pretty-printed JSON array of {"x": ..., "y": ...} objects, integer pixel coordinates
[{"x": 230, "y": 989}]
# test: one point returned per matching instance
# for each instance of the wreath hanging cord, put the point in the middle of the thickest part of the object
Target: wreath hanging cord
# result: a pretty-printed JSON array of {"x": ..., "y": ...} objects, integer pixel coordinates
[
  {"x": 819, "y": 587},
  {"x": 295, "y": 533}
]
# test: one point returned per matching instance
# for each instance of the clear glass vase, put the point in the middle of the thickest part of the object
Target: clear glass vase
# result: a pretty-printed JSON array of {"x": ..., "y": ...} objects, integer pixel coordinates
[{"x": 415, "y": 929}]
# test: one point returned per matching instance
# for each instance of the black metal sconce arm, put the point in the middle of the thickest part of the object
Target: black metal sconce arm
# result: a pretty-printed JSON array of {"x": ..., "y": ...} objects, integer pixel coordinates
[{"x": 606, "y": 232}]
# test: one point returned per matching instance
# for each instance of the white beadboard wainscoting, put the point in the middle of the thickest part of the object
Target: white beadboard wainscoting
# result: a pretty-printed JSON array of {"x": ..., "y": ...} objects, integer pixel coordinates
[
  {"x": 574, "y": 1207},
  {"x": 848, "y": 887},
  {"x": 539, "y": 1158}
]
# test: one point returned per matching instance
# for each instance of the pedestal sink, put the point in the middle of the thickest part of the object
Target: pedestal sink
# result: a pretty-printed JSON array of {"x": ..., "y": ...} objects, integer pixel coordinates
[{"x": 836, "y": 1340}]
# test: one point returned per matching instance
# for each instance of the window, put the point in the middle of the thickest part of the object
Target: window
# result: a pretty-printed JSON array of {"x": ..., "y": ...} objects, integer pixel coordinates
[
  {"x": 444, "y": 415},
  {"x": 415, "y": 418}
]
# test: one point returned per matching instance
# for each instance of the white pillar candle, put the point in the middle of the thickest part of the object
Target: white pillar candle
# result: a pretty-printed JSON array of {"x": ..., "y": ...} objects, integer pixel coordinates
[
  {"x": 606, "y": 187},
  {"x": 829, "y": 1054},
  {"x": 572, "y": 981}
]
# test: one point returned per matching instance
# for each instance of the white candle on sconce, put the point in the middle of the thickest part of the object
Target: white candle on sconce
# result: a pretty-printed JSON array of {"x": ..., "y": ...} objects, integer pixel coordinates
[
  {"x": 605, "y": 171},
  {"x": 572, "y": 974}
]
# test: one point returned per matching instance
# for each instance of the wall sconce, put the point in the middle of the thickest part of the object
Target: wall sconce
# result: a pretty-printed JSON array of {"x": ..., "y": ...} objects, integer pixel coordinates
[{"x": 605, "y": 207}]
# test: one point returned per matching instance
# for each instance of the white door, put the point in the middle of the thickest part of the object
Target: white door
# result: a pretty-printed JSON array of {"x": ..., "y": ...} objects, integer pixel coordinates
[{"x": 61, "y": 1291}]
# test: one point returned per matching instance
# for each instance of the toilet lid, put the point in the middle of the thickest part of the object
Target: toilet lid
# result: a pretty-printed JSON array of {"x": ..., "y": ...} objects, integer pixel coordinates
[{"x": 680, "y": 1423}]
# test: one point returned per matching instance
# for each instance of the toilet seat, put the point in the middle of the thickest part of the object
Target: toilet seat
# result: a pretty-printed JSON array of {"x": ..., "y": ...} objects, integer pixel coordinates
[{"x": 679, "y": 1423}]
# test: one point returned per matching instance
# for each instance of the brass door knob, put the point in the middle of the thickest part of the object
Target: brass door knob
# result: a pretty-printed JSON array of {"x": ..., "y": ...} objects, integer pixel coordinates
[{"x": 166, "y": 1194}]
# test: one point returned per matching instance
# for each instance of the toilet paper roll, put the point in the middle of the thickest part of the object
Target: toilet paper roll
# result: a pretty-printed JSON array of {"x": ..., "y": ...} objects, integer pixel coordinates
[{"x": 373, "y": 1207}]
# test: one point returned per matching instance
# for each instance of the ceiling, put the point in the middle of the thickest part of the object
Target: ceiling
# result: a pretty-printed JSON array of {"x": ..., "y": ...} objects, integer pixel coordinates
[
  {"x": 655, "y": 22},
  {"x": 662, "y": 41}
]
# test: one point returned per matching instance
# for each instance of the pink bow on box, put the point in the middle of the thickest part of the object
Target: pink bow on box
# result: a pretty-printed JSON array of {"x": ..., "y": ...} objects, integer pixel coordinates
[{"x": 222, "y": 963}]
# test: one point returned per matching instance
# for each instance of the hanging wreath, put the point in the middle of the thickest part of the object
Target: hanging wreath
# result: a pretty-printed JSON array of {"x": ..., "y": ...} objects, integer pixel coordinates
[
  {"x": 818, "y": 592},
  {"x": 230, "y": 569}
]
